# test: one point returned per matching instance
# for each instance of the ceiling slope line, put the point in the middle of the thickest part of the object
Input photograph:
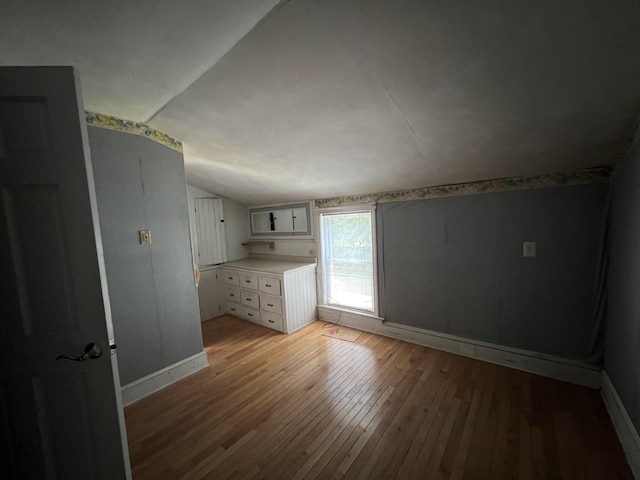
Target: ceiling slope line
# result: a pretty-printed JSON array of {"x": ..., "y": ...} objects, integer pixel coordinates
[
  {"x": 258, "y": 24},
  {"x": 407, "y": 122},
  {"x": 400, "y": 110}
]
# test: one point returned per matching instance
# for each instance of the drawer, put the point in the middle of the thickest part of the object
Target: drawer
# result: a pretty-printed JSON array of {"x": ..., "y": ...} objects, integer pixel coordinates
[
  {"x": 234, "y": 308},
  {"x": 251, "y": 314},
  {"x": 250, "y": 299},
  {"x": 248, "y": 280},
  {"x": 230, "y": 277},
  {"x": 271, "y": 304},
  {"x": 269, "y": 285},
  {"x": 272, "y": 321},
  {"x": 232, "y": 293}
]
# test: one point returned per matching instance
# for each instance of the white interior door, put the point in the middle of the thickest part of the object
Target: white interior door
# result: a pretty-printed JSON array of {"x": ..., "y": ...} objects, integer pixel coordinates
[
  {"x": 212, "y": 240},
  {"x": 59, "y": 419}
]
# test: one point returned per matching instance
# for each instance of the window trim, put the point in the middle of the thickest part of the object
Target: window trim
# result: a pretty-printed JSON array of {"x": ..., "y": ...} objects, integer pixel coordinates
[{"x": 320, "y": 284}]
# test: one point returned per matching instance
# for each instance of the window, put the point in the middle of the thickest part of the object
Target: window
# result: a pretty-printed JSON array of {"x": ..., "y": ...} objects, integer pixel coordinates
[{"x": 347, "y": 259}]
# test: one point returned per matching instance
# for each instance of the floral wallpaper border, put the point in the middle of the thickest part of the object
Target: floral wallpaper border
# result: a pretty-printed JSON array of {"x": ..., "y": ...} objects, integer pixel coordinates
[
  {"x": 129, "y": 126},
  {"x": 591, "y": 175}
]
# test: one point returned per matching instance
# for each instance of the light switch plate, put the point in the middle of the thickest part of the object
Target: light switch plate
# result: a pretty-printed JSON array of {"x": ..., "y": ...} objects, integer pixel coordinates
[
  {"x": 529, "y": 249},
  {"x": 145, "y": 237}
]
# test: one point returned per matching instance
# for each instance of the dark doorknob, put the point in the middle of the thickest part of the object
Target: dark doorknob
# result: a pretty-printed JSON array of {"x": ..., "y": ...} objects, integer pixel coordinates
[{"x": 91, "y": 351}]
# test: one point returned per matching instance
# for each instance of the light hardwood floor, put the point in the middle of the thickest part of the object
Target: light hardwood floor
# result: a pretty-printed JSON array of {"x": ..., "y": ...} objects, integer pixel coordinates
[{"x": 305, "y": 406}]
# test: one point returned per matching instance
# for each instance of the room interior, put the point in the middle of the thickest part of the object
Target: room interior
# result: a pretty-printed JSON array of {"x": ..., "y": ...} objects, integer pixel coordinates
[{"x": 471, "y": 127}]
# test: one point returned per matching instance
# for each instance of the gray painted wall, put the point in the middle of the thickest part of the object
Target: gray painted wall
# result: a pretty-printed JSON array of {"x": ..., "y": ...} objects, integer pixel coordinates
[
  {"x": 455, "y": 265},
  {"x": 622, "y": 336},
  {"x": 140, "y": 184}
]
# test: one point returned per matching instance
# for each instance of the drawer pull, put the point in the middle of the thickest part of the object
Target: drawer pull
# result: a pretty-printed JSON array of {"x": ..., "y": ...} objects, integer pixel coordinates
[
  {"x": 232, "y": 295},
  {"x": 271, "y": 321},
  {"x": 267, "y": 285},
  {"x": 230, "y": 278},
  {"x": 247, "y": 281},
  {"x": 250, "y": 314},
  {"x": 248, "y": 299},
  {"x": 232, "y": 309},
  {"x": 270, "y": 304}
]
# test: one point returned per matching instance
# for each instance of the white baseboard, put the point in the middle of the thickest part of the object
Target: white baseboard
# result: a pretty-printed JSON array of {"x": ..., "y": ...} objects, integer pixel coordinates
[
  {"x": 541, "y": 364},
  {"x": 211, "y": 318},
  {"x": 360, "y": 321},
  {"x": 138, "y": 389},
  {"x": 627, "y": 433}
]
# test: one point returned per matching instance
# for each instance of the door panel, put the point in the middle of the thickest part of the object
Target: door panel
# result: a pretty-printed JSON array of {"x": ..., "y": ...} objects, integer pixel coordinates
[
  {"x": 61, "y": 419},
  {"x": 7, "y": 456},
  {"x": 24, "y": 125},
  {"x": 62, "y": 406},
  {"x": 37, "y": 238}
]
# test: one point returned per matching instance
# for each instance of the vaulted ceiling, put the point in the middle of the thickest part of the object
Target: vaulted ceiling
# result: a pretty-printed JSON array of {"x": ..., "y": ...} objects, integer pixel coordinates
[{"x": 279, "y": 101}]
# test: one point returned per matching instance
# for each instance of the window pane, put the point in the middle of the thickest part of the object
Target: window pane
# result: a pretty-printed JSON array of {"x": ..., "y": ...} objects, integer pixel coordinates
[{"x": 347, "y": 257}]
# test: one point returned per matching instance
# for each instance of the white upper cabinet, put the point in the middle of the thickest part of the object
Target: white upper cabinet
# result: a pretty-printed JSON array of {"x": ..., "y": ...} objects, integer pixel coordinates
[{"x": 284, "y": 220}]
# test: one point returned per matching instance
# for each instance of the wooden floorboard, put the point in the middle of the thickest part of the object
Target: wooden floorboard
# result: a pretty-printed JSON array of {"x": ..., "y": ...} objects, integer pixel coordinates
[{"x": 306, "y": 406}]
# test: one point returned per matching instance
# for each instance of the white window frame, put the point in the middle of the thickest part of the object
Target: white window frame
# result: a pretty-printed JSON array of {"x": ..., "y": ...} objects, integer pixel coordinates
[{"x": 322, "y": 297}]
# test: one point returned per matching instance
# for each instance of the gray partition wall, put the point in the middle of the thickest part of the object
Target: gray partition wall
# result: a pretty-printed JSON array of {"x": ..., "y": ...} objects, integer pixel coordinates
[
  {"x": 622, "y": 346},
  {"x": 140, "y": 184},
  {"x": 455, "y": 265}
]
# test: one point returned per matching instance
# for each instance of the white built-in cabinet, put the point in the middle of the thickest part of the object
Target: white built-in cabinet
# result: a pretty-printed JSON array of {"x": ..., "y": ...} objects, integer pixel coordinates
[
  {"x": 278, "y": 295},
  {"x": 284, "y": 220},
  {"x": 210, "y": 229}
]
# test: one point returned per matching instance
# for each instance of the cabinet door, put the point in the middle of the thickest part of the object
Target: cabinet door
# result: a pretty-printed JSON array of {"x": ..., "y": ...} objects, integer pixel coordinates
[
  {"x": 299, "y": 216},
  {"x": 212, "y": 245},
  {"x": 210, "y": 295},
  {"x": 272, "y": 221},
  {"x": 286, "y": 220},
  {"x": 283, "y": 220},
  {"x": 262, "y": 222}
]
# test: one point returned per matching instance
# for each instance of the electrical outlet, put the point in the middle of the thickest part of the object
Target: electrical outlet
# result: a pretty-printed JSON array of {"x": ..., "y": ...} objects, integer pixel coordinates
[{"x": 145, "y": 237}]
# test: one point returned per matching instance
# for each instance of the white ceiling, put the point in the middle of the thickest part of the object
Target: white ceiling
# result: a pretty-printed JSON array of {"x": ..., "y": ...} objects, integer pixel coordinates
[{"x": 279, "y": 101}]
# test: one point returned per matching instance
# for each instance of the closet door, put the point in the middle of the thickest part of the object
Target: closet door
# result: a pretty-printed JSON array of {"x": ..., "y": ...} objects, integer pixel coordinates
[{"x": 212, "y": 245}]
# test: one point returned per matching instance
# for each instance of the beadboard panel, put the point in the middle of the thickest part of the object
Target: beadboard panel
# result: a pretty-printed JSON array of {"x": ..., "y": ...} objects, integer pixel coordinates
[
  {"x": 212, "y": 246},
  {"x": 300, "y": 298}
]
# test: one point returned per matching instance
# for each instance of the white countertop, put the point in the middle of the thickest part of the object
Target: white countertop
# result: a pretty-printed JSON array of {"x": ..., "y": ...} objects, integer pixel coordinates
[{"x": 270, "y": 266}]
